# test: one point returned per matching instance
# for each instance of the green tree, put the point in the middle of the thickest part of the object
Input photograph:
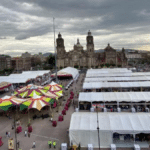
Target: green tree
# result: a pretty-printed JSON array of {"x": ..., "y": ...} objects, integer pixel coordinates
[{"x": 51, "y": 60}]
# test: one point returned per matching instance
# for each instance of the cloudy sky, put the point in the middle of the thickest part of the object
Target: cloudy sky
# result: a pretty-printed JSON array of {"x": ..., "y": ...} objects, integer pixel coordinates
[{"x": 27, "y": 25}]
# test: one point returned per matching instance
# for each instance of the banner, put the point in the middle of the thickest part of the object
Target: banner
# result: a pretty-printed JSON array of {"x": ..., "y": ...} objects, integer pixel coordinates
[{"x": 98, "y": 105}]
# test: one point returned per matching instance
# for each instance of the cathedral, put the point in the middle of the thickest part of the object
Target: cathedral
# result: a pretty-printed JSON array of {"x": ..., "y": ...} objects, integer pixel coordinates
[{"x": 80, "y": 58}]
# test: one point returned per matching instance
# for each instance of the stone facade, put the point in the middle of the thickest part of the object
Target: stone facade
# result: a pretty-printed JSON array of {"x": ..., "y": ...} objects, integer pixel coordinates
[
  {"x": 5, "y": 62},
  {"x": 26, "y": 57},
  {"x": 88, "y": 58},
  {"x": 22, "y": 63},
  {"x": 17, "y": 63}
]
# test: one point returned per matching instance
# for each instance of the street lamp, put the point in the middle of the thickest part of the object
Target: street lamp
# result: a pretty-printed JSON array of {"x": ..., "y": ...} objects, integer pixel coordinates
[
  {"x": 15, "y": 128},
  {"x": 55, "y": 51},
  {"x": 98, "y": 127}
]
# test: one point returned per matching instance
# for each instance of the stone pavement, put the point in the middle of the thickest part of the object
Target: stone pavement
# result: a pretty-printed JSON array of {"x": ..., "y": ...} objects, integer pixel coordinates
[{"x": 42, "y": 129}]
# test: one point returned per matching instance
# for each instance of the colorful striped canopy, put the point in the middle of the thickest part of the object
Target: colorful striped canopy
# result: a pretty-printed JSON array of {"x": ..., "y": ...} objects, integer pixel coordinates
[
  {"x": 30, "y": 91},
  {"x": 30, "y": 86},
  {"x": 53, "y": 87},
  {"x": 8, "y": 101},
  {"x": 59, "y": 93},
  {"x": 51, "y": 95},
  {"x": 38, "y": 103}
]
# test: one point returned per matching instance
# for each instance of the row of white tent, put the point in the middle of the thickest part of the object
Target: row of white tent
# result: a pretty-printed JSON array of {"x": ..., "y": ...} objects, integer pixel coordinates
[
  {"x": 99, "y": 79},
  {"x": 114, "y": 96},
  {"x": 125, "y": 74},
  {"x": 83, "y": 127},
  {"x": 23, "y": 77},
  {"x": 99, "y": 85},
  {"x": 108, "y": 70}
]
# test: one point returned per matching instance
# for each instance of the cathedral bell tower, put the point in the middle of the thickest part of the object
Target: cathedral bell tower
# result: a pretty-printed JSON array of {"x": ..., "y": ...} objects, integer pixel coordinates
[
  {"x": 60, "y": 45},
  {"x": 90, "y": 43}
]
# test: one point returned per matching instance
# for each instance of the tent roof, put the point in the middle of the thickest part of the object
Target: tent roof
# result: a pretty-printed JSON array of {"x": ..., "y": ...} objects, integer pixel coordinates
[
  {"x": 136, "y": 78},
  {"x": 24, "y": 77},
  {"x": 97, "y": 85},
  {"x": 114, "y": 96},
  {"x": 116, "y": 72},
  {"x": 129, "y": 123},
  {"x": 69, "y": 70},
  {"x": 109, "y": 70}
]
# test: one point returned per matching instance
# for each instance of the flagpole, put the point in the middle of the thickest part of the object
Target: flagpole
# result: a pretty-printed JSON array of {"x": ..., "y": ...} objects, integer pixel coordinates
[{"x": 55, "y": 51}]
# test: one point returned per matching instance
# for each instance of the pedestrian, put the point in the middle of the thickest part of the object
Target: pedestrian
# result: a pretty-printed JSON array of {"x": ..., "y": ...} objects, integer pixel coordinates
[
  {"x": 12, "y": 127},
  {"x": 33, "y": 145},
  {"x": 28, "y": 134},
  {"x": 50, "y": 143},
  {"x": 6, "y": 134},
  {"x": 54, "y": 144},
  {"x": 18, "y": 144},
  {"x": 25, "y": 133},
  {"x": 9, "y": 134}
]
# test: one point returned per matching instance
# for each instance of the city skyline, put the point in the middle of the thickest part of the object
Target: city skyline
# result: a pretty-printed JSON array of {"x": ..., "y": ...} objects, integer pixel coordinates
[{"x": 27, "y": 25}]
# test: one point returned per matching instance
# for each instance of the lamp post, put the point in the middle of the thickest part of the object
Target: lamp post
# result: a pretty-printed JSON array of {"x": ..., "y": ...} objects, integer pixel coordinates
[
  {"x": 55, "y": 51},
  {"x": 98, "y": 127},
  {"x": 15, "y": 128}
]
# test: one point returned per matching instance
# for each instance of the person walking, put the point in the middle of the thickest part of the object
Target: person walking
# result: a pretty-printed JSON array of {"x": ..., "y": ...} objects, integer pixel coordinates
[
  {"x": 50, "y": 143},
  {"x": 12, "y": 127},
  {"x": 33, "y": 145},
  {"x": 6, "y": 134},
  {"x": 54, "y": 144},
  {"x": 18, "y": 144},
  {"x": 28, "y": 134},
  {"x": 25, "y": 133},
  {"x": 9, "y": 134}
]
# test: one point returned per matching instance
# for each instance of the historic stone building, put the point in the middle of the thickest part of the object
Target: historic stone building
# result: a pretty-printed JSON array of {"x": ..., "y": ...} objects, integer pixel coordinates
[{"x": 88, "y": 58}]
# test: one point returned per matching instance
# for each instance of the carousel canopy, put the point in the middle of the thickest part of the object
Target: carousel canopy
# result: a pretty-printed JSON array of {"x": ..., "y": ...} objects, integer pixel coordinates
[
  {"x": 126, "y": 79},
  {"x": 83, "y": 126},
  {"x": 114, "y": 96},
  {"x": 98, "y": 85},
  {"x": 69, "y": 71}
]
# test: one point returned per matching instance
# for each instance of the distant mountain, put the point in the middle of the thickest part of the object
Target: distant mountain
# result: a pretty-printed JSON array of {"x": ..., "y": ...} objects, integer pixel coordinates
[{"x": 47, "y": 54}]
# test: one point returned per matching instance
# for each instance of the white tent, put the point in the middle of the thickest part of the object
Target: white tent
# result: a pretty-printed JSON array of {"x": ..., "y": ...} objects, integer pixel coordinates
[
  {"x": 68, "y": 71},
  {"x": 36, "y": 73},
  {"x": 23, "y": 77},
  {"x": 98, "y": 85},
  {"x": 116, "y": 74},
  {"x": 114, "y": 96},
  {"x": 125, "y": 79},
  {"x": 83, "y": 127},
  {"x": 109, "y": 70}
]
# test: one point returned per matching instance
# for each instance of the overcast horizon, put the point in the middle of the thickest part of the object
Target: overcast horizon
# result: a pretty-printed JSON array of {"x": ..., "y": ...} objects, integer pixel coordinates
[{"x": 27, "y": 25}]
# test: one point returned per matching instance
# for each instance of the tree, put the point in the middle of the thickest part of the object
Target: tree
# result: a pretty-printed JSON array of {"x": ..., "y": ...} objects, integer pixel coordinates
[{"x": 51, "y": 60}]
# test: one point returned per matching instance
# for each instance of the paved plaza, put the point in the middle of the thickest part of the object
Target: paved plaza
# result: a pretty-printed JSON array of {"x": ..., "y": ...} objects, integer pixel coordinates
[{"x": 42, "y": 128}]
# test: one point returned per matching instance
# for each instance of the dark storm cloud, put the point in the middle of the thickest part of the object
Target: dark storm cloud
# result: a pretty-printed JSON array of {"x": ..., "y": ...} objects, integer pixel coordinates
[{"x": 23, "y": 19}]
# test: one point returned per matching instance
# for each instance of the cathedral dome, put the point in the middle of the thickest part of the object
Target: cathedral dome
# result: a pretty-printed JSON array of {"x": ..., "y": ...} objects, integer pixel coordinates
[{"x": 78, "y": 44}]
